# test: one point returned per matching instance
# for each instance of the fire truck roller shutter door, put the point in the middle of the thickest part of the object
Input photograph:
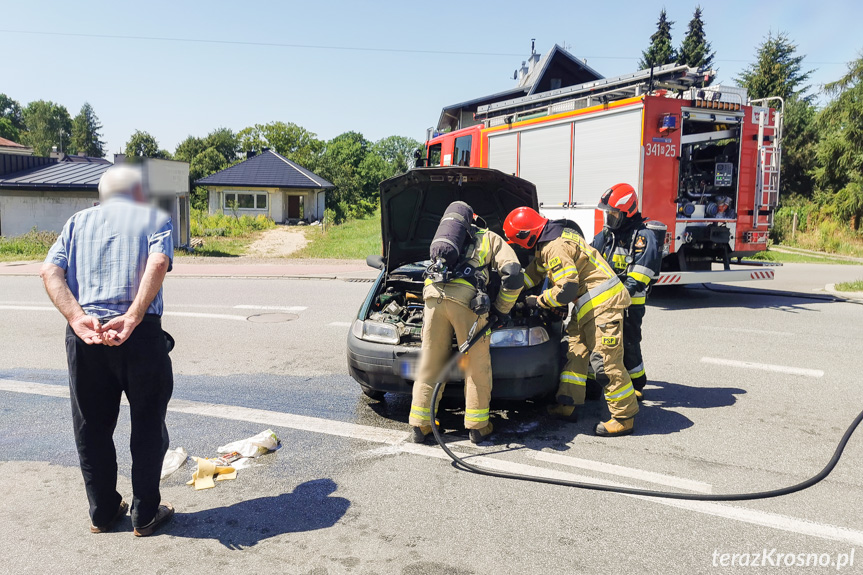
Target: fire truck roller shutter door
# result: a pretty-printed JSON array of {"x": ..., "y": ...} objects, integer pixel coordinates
[{"x": 607, "y": 150}]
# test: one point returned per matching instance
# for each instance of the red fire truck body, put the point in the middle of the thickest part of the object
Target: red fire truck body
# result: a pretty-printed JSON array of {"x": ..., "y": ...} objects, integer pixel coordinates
[{"x": 705, "y": 162}]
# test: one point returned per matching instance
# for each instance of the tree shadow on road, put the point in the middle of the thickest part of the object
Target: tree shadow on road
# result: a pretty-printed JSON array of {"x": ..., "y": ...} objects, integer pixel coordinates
[{"x": 307, "y": 508}]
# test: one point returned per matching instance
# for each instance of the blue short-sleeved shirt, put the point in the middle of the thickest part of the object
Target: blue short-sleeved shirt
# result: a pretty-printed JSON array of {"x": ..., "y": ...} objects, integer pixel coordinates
[{"x": 104, "y": 252}]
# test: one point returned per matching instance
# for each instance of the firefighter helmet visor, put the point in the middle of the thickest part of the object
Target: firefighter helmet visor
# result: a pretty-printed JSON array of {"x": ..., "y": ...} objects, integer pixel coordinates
[{"x": 619, "y": 202}]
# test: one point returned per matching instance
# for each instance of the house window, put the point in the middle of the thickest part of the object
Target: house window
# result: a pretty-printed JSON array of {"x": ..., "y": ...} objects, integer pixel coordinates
[{"x": 245, "y": 200}]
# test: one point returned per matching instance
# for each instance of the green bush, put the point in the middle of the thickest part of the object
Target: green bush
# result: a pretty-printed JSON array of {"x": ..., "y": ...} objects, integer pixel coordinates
[
  {"x": 221, "y": 225},
  {"x": 32, "y": 244}
]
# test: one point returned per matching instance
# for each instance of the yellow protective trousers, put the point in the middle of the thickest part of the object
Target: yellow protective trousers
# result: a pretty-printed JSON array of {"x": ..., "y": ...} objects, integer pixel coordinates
[
  {"x": 602, "y": 334},
  {"x": 441, "y": 318}
]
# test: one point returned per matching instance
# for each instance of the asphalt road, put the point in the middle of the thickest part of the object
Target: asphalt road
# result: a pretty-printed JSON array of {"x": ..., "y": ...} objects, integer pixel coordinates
[{"x": 749, "y": 391}]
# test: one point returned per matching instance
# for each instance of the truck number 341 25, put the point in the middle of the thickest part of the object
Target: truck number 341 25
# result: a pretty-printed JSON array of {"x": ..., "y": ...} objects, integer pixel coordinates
[{"x": 666, "y": 150}]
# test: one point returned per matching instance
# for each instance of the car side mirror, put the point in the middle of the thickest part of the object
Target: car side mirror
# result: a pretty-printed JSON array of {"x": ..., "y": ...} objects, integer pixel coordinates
[{"x": 376, "y": 261}]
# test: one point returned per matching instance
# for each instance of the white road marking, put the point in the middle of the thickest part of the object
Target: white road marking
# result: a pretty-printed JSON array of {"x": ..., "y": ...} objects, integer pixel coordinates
[
  {"x": 764, "y": 366},
  {"x": 205, "y": 315},
  {"x": 273, "y": 307},
  {"x": 747, "y": 330},
  {"x": 28, "y": 308},
  {"x": 396, "y": 442},
  {"x": 621, "y": 471},
  {"x": 341, "y": 324}
]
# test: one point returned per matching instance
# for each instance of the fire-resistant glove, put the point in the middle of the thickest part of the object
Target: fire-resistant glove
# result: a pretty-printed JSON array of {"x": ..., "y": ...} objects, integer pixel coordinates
[{"x": 501, "y": 319}]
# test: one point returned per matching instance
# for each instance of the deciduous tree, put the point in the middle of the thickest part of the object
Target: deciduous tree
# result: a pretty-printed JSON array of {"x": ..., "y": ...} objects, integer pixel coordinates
[
  {"x": 48, "y": 125},
  {"x": 11, "y": 119},
  {"x": 143, "y": 145}
]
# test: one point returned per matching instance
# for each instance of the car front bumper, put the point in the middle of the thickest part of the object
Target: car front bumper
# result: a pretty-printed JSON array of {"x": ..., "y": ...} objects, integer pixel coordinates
[{"x": 517, "y": 372}]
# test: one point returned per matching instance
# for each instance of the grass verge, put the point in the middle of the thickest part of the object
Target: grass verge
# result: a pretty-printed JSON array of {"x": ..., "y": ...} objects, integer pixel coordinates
[
  {"x": 352, "y": 240},
  {"x": 850, "y": 286},
  {"x": 219, "y": 247},
  {"x": 33, "y": 245},
  {"x": 789, "y": 258}
]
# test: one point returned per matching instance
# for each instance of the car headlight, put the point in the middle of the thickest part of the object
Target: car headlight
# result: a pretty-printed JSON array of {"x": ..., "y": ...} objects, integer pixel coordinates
[
  {"x": 376, "y": 331},
  {"x": 519, "y": 337}
]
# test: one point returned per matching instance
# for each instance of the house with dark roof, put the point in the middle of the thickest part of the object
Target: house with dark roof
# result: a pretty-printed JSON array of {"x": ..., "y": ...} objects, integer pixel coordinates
[
  {"x": 267, "y": 184},
  {"x": 43, "y": 193},
  {"x": 556, "y": 69}
]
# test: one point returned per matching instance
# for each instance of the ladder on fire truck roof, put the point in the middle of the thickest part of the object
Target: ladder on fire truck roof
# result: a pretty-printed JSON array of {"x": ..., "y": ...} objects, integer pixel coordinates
[{"x": 675, "y": 77}]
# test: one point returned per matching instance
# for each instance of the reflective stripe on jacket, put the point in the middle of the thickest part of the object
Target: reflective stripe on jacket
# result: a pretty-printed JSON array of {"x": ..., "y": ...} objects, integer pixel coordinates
[
  {"x": 639, "y": 245},
  {"x": 576, "y": 273}
]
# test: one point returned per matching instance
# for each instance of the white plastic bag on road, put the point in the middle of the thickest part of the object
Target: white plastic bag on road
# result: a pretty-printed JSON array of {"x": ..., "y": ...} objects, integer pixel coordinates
[
  {"x": 174, "y": 458},
  {"x": 260, "y": 444}
]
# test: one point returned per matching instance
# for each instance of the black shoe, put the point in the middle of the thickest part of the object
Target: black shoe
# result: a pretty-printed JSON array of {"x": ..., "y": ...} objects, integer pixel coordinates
[
  {"x": 418, "y": 435},
  {"x": 480, "y": 435},
  {"x": 165, "y": 512}
]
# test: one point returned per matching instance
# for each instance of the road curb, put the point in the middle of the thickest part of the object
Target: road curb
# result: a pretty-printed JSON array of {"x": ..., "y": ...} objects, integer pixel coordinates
[{"x": 855, "y": 295}]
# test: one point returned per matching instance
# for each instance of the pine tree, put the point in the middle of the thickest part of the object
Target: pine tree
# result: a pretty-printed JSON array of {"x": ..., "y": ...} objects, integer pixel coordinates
[
  {"x": 839, "y": 173},
  {"x": 695, "y": 49},
  {"x": 85, "y": 133},
  {"x": 660, "y": 51},
  {"x": 777, "y": 71}
]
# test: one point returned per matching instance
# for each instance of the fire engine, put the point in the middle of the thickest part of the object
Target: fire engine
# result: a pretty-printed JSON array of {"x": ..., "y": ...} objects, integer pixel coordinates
[{"x": 704, "y": 159}]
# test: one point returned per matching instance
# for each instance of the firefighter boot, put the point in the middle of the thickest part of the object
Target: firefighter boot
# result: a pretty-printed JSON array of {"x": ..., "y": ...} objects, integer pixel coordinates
[
  {"x": 614, "y": 427},
  {"x": 420, "y": 434},
  {"x": 563, "y": 412},
  {"x": 479, "y": 435}
]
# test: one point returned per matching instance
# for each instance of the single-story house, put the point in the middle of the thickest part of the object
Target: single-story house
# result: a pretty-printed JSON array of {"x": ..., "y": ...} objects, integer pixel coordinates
[
  {"x": 267, "y": 184},
  {"x": 43, "y": 193}
]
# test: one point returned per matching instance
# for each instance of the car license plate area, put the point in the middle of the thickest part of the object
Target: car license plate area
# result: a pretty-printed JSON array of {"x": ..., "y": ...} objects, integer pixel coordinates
[{"x": 409, "y": 368}]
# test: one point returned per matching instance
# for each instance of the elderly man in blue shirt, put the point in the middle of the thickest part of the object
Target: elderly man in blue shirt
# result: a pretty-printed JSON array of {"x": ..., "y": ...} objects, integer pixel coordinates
[{"x": 105, "y": 274}]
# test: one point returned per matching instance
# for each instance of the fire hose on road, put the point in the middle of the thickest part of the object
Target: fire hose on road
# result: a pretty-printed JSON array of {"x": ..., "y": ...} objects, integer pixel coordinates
[{"x": 461, "y": 463}]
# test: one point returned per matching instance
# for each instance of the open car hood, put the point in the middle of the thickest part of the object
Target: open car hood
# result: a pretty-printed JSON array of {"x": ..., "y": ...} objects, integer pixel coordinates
[{"x": 413, "y": 203}]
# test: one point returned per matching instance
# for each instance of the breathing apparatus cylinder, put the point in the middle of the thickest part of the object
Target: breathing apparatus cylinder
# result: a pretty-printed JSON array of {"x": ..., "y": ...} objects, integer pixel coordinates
[
  {"x": 659, "y": 229},
  {"x": 452, "y": 233}
]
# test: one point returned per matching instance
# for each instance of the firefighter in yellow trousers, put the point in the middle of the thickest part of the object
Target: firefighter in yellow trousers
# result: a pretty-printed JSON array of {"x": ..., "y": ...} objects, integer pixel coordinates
[
  {"x": 577, "y": 273},
  {"x": 454, "y": 303}
]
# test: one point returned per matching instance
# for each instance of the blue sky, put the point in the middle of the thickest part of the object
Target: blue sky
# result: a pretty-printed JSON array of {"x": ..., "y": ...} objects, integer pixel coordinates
[{"x": 377, "y": 67}]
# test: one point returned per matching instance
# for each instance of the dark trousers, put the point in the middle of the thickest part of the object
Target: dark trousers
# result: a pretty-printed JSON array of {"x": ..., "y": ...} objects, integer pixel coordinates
[
  {"x": 632, "y": 358},
  {"x": 98, "y": 375}
]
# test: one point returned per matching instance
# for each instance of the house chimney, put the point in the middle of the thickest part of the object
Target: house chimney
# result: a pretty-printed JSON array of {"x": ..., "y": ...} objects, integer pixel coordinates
[
  {"x": 250, "y": 154},
  {"x": 119, "y": 158},
  {"x": 82, "y": 154}
]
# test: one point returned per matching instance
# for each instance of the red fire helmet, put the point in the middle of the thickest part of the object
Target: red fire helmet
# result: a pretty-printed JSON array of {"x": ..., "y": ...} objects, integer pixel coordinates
[
  {"x": 523, "y": 226},
  {"x": 620, "y": 202}
]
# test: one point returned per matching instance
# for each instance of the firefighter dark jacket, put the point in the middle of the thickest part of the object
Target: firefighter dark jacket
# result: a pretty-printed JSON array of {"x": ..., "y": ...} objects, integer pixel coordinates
[
  {"x": 488, "y": 252},
  {"x": 576, "y": 273},
  {"x": 634, "y": 255}
]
